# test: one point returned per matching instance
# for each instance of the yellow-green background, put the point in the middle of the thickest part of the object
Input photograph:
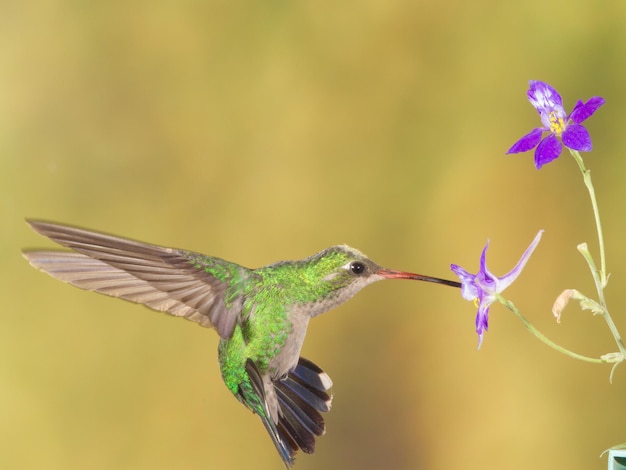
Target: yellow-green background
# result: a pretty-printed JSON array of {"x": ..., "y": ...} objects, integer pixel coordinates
[{"x": 267, "y": 130}]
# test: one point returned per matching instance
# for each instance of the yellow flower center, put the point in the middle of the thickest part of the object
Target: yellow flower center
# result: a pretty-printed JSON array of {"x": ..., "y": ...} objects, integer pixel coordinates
[{"x": 557, "y": 124}]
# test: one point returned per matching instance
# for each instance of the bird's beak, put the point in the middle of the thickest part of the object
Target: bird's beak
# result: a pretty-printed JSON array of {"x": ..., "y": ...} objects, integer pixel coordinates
[{"x": 392, "y": 274}]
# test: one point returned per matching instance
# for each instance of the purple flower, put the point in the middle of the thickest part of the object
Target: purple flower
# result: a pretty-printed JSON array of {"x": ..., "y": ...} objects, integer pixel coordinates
[
  {"x": 549, "y": 104},
  {"x": 482, "y": 287}
]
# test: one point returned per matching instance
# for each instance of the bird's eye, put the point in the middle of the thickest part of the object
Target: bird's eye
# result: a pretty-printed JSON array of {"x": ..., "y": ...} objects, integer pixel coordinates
[{"x": 356, "y": 267}]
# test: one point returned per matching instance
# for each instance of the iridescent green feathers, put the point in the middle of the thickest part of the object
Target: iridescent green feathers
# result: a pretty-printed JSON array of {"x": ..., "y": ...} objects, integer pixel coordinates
[{"x": 322, "y": 281}]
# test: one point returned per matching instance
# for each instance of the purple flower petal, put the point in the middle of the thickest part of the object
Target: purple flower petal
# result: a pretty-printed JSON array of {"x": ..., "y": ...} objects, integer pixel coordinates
[
  {"x": 483, "y": 286},
  {"x": 583, "y": 111},
  {"x": 576, "y": 137},
  {"x": 543, "y": 97},
  {"x": 468, "y": 288},
  {"x": 548, "y": 149},
  {"x": 529, "y": 141},
  {"x": 508, "y": 279},
  {"x": 482, "y": 322}
]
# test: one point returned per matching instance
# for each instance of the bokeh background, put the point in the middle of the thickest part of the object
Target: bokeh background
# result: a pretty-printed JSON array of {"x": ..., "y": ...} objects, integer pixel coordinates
[{"x": 260, "y": 131}]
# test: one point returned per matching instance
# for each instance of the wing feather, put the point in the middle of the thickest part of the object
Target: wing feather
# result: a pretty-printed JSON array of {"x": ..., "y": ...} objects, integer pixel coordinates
[{"x": 181, "y": 283}]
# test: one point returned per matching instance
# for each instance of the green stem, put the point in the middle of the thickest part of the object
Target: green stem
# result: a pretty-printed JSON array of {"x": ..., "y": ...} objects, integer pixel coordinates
[
  {"x": 604, "y": 309},
  {"x": 530, "y": 327},
  {"x": 600, "y": 277},
  {"x": 596, "y": 212},
  {"x": 614, "y": 332}
]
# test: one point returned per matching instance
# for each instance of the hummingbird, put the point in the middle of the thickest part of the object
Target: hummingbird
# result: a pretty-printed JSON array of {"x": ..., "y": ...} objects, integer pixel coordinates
[{"x": 261, "y": 315}]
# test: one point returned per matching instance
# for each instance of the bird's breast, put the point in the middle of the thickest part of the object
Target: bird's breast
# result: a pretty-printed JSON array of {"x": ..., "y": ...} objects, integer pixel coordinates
[{"x": 287, "y": 357}]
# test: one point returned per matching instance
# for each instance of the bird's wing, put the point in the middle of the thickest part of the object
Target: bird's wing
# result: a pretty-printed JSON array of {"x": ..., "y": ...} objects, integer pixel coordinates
[{"x": 178, "y": 282}]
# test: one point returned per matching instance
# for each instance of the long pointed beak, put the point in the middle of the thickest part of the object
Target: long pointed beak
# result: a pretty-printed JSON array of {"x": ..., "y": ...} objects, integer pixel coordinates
[{"x": 392, "y": 274}]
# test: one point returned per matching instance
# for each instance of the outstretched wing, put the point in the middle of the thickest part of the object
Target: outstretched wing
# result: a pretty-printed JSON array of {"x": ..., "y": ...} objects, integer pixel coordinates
[{"x": 178, "y": 282}]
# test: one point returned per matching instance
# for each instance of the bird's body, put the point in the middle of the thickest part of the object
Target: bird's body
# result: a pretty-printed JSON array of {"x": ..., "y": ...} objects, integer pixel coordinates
[{"x": 260, "y": 314}]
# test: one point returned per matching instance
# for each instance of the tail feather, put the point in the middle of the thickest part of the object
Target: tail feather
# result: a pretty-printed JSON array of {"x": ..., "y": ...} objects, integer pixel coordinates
[
  {"x": 297, "y": 437},
  {"x": 299, "y": 412},
  {"x": 309, "y": 384},
  {"x": 315, "y": 379},
  {"x": 301, "y": 401},
  {"x": 302, "y": 397}
]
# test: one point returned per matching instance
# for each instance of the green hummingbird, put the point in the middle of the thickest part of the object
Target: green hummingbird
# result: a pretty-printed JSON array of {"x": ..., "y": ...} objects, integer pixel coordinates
[{"x": 261, "y": 315}]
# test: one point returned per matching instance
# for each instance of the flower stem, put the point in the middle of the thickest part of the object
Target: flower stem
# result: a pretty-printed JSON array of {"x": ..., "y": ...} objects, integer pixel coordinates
[
  {"x": 530, "y": 327},
  {"x": 596, "y": 212},
  {"x": 600, "y": 277}
]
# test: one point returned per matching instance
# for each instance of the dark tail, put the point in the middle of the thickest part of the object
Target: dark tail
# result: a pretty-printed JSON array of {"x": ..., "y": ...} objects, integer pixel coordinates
[{"x": 302, "y": 397}]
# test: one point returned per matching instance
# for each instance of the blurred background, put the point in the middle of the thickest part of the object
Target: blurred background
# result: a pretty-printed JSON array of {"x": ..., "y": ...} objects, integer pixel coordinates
[{"x": 269, "y": 130}]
